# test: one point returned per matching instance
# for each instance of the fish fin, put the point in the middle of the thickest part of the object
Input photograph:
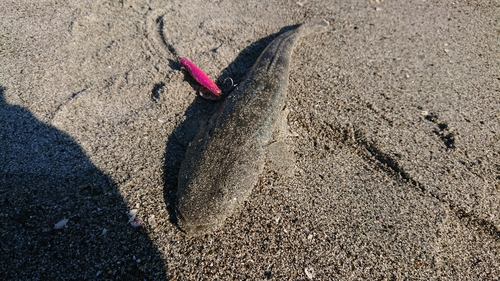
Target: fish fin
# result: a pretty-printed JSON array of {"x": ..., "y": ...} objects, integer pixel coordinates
[
  {"x": 315, "y": 26},
  {"x": 279, "y": 157}
]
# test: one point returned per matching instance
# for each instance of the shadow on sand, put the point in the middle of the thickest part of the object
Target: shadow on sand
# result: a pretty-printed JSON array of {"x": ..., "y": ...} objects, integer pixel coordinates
[
  {"x": 199, "y": 111},
  {"x": 45, "y": 177}
]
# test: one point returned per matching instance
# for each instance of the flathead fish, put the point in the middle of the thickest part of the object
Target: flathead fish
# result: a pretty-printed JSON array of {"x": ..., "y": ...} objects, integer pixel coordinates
[{"x": 223, "y": 162}]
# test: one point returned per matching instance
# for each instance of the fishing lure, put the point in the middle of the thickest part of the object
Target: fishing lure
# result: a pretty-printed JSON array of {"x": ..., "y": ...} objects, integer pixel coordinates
[{"x": 203, "y": 79}]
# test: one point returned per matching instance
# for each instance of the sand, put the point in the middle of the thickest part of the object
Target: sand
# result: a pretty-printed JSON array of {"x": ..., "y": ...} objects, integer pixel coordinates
[{"x": 396, "y": 148}]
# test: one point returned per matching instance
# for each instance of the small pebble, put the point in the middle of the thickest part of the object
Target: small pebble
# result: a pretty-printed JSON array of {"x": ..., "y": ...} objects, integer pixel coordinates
[
  {"x": 152, "y": 221},
  {"x": 61, "y": 224},
  {"x": 131, "y": 215},
  {"x": 309, "y": 272},
  {"x": 136, "y": 223}
]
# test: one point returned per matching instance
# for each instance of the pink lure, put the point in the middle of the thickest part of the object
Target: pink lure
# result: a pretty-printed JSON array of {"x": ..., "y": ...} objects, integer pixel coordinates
[{"x": 202, "y": 78}]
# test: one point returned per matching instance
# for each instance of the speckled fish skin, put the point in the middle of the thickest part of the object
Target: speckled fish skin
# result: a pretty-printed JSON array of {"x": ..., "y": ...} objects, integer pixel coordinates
[{"x": 223, "y": 162}]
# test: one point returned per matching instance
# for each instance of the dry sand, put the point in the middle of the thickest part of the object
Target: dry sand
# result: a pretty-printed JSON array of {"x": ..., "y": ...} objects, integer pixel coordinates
[{"x": 396, "y": 114}]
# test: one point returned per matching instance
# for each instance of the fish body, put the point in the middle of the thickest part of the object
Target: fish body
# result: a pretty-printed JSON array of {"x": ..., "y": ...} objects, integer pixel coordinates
[{"x": 224, "y": 160}]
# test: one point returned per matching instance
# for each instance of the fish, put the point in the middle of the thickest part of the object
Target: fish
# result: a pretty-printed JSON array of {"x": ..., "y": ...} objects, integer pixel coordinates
[{"x": 224, "y": 160}]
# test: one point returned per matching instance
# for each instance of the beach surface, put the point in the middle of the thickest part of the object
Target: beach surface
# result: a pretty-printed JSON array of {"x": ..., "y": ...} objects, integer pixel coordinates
[{"x": 393, "y": 166}]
